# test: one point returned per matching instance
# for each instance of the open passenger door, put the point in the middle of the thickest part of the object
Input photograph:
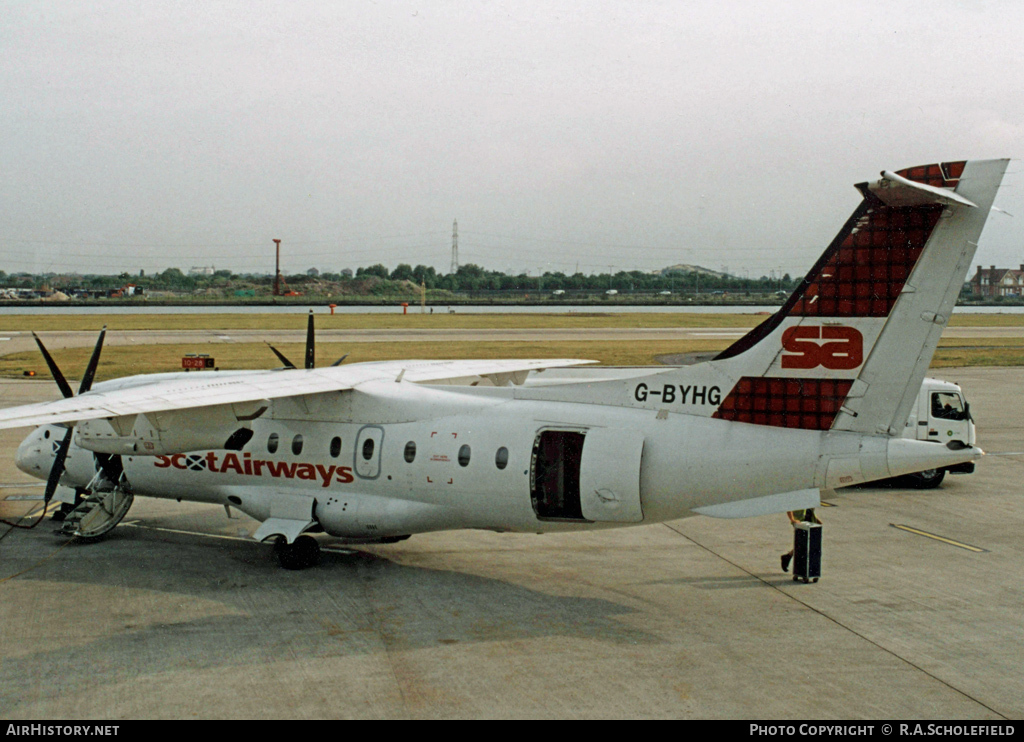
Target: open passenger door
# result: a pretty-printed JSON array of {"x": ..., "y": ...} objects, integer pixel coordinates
[
  {"x": 589, "y": 475},
  {"x": 610, "y": 475}
]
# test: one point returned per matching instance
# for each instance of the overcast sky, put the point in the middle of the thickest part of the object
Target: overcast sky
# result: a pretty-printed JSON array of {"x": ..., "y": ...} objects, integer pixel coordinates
[{"x": 598, "y": 135}]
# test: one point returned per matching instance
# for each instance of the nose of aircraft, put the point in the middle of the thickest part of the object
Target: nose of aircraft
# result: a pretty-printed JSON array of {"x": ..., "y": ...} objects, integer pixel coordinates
[{"x": 35, "y": 454}]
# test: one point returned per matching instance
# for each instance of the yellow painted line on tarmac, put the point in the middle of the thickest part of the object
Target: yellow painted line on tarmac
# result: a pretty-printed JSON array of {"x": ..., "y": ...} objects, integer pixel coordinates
[{"x": 943, "y": 539}]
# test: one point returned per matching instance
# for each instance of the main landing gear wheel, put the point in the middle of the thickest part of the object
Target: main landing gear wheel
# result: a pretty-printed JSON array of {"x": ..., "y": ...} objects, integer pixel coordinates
[
  {"x": 301, "y": 553},
  {"x": 926, "y": 480}
]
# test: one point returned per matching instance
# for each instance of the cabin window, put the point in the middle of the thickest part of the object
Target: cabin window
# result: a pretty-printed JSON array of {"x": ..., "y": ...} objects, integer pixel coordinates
[
  {"x": 368, "y": 449},
  {"x": 464, "y": 456},
  {"x": 410, "y": 451},
  {"x": 297, "y": 445},
  {"x": 335, "y": 446},
  {"x": 272, "y": 443},
  {"x": 501, "y": 458}
]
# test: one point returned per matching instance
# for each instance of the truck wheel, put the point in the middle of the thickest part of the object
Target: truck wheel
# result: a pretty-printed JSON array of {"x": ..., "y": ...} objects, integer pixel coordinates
[{"x": 928, "y": 479}]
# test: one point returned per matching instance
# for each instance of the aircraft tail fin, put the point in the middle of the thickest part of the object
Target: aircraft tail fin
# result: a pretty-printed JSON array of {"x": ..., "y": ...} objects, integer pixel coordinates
[{"x": 850, "y": 347}]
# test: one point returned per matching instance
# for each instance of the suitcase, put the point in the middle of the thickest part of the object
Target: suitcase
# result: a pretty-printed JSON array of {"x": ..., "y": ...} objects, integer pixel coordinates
[{"x": 807, "y": 552}]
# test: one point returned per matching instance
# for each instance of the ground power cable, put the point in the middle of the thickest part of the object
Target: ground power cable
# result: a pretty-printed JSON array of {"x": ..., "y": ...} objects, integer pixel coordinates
[{"x": 39, "y": 562}]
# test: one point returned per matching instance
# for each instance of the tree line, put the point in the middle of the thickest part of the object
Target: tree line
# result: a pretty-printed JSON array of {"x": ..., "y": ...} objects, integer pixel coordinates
[{"x": 379, "y": 278}]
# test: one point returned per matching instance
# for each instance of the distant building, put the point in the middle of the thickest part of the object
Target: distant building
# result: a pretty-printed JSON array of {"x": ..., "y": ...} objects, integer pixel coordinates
[
  {"x": 683, "y": 268},
  {"x": 992, "y": 282},
  {"x": 201, "y": 270}
]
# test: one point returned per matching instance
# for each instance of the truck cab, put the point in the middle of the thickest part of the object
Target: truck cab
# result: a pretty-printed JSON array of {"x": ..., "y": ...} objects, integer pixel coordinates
[{"x": 942, "y": 415}]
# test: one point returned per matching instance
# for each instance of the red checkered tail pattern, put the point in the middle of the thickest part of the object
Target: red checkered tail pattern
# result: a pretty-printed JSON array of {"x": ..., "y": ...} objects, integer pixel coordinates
[{"x": 851, "y": 346}]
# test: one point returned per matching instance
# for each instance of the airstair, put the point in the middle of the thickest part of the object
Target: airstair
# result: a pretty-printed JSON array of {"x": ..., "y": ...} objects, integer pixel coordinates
[{"x": 100, "y": 510}]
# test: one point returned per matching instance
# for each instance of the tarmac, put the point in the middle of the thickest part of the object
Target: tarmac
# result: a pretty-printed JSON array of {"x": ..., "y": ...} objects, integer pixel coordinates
[{"x": 176, "y": 615}]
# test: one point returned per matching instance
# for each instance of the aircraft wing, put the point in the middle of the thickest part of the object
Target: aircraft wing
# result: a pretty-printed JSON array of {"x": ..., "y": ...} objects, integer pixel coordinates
[{"x": 165, "y": 392}]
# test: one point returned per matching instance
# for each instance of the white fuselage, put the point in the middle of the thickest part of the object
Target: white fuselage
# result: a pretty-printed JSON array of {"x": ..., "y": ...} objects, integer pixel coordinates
[{"x": 390, "y": 459}]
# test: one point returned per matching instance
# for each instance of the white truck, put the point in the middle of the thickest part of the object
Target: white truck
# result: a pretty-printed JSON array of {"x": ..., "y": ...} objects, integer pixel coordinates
[{"x": 941, "y": 415}]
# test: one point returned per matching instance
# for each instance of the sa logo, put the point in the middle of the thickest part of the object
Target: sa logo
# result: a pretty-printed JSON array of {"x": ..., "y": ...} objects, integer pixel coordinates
[{"x": 844, "y": 351}]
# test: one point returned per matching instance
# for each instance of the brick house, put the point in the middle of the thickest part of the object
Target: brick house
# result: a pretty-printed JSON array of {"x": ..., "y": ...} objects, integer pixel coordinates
[{"x": 991, "y": 282}]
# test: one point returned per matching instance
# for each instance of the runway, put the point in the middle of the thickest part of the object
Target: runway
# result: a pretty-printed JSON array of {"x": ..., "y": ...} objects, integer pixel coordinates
[
  {"x": 178, "y": 615},
  {"x": 16, "y": 342}
]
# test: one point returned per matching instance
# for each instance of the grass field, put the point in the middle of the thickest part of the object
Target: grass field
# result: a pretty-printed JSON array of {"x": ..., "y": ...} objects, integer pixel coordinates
[
  {"x": 127, "y": 360},
  {"x": 396, "y": 321}
]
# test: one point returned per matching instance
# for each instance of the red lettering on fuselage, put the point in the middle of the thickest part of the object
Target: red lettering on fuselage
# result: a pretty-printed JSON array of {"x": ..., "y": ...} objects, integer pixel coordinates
[
  {"x": 248, "y": 466},
  {"x": 231, "y": 462},
  {"x": 843, "y": 353},
  {"x": 281, "y": 469}
]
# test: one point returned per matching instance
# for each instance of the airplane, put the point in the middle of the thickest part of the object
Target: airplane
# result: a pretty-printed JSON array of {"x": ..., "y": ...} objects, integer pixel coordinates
[{"x": 816, "y": 397}]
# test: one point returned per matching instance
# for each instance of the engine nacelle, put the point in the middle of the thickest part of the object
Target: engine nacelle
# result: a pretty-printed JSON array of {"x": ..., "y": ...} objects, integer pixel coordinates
[{"x": 171, "y": 432}]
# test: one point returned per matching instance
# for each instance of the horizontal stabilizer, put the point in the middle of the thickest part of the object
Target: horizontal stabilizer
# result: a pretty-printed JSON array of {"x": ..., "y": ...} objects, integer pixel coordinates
[{"x": 895, "y": 190}]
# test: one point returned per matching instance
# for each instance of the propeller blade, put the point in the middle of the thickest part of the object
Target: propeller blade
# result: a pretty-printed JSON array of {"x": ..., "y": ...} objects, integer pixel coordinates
[
  {"x": 57, "y": 470},
  {"x": 310, "y": 351},
  {"x": 280, "y": 356},
  {"x": 338, "y": 362},
  {"x": 94, "y": 361},
  {"x": 62, "y": 383}
]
